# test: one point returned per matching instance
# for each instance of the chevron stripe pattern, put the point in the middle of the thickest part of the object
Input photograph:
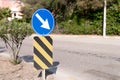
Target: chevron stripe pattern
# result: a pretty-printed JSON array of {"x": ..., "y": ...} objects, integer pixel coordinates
[{"x": 43, "y": 52}]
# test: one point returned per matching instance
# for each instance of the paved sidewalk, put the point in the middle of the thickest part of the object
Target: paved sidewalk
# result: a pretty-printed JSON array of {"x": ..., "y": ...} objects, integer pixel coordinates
[{"x": 80, "y": 35}]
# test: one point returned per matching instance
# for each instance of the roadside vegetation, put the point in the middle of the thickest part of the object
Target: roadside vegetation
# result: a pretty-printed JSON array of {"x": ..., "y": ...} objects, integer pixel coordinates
[
  {"x": 13, "y": 33},
  {"x": 78, "y": 16}
]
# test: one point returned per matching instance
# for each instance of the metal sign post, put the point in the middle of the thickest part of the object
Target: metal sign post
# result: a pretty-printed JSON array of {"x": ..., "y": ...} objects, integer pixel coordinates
[
  {"x": 43, "y": 74},
  {"x": 104, "y": 18}
]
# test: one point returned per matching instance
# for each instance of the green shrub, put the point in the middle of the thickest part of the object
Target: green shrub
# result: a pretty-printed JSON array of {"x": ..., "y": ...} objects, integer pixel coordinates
[
  {"x": 13, "y": 33},
  {"x": 113, "y": 20},
  {"x": 4, "y": 12},
  {"x": 85, "y": 27}
]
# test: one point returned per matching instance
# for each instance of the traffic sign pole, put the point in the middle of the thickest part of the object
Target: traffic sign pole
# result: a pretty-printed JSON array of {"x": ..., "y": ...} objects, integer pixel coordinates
[{"x": 43, "y": 74}]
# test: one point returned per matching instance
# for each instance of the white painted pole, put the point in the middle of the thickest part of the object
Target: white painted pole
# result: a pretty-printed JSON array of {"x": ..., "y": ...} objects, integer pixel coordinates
[
  {"x": 104, "y": 19},
  {"x": 43, "y": 74}
]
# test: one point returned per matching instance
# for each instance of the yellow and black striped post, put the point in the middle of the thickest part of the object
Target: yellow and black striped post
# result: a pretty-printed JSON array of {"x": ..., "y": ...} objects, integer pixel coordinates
[{"x": 43, "y": 52}]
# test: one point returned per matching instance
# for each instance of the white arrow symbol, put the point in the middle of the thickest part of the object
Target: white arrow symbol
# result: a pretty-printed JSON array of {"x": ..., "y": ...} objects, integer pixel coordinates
[{"x": 45, "y": 23}]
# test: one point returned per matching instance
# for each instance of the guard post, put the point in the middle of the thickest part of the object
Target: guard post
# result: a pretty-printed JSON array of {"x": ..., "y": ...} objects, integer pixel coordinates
[{"x": 43, "y": 24}]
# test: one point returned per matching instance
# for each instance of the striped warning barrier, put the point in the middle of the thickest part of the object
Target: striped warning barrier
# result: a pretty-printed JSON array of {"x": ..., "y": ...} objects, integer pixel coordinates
[{"x": 43, "y": 52}]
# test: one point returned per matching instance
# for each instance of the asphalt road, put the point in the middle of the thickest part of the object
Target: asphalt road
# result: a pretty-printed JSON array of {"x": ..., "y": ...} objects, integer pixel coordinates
[
  {"x": 89, "y": 57},
  {"x": 83, "y": 57}
]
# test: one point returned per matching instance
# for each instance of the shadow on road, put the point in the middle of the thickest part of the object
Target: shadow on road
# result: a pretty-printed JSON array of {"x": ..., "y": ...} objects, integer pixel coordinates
[
  {"x": 51, "y": 70},
  {"x": 27, "y": 58},
  {"x": 2, "y": 49}
]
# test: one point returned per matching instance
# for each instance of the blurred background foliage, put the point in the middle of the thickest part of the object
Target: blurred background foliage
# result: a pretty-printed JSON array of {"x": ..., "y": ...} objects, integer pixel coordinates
[
  {"x": 4, "y": 12},
  {"x": 77, "y": 16}
]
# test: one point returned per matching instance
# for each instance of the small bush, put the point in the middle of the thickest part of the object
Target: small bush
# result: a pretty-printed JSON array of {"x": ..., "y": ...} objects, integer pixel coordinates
[{"x": 13, "y": 33}]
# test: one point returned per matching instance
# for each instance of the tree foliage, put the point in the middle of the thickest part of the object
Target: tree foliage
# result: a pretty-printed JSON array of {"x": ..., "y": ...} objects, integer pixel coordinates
[
  {"x": 86, "y": 16},
  {"x": 31, "y": 6},
  {"x": 4, "y": 12}
]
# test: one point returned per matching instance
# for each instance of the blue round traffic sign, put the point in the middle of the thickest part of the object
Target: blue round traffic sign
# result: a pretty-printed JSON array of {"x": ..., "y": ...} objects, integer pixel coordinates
[{"x": 42, "y": 22}]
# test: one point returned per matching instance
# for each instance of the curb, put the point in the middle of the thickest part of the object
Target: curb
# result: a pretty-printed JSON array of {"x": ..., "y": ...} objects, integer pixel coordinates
[{"x": 89, "y": 36}]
